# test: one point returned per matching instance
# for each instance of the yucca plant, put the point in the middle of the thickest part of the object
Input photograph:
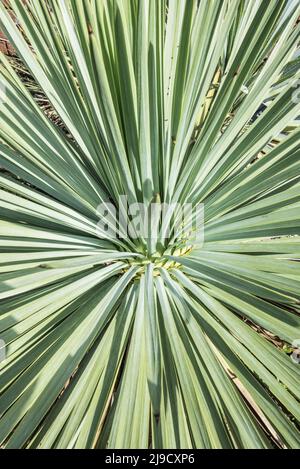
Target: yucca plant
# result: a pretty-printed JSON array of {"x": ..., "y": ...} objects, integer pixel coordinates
[{"x": 159, "y": 341}]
